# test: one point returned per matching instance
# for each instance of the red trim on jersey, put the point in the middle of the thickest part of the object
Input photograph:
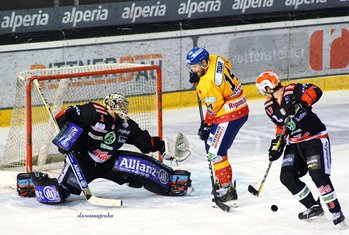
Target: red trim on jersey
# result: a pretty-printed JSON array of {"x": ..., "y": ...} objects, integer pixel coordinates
[
  {"x": 98, "y": 106},
  {"x": 209, "y": 118},
  {"x": 232, "y": 116},
  {"x": 320, "y": 135},
  {"x": 309, "y": 96},
  {"x": 152, "y": 143},
  {"x": 60, "y": 114},
  {"x": 289, "y": 87},
  {"x": 238, "y": 92},
  {"x": 278, "y": 130}
]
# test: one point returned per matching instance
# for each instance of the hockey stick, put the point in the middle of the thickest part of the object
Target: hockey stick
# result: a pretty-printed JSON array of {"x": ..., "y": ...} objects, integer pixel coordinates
[
  {"x": 251, "y": 189},
  {"x": 215, "y": 198},
  {"x": 256, "y": 192},
  {"x": 75, "y": 165}
]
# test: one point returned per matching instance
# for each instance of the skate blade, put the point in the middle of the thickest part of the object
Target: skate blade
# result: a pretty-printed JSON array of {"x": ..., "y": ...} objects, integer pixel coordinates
[
  {"x": 190, "y": 189},
  {"x": 231, "y": 204},
  {"x": 315, "y": 218},
  {"x": 342, "y": 225}
]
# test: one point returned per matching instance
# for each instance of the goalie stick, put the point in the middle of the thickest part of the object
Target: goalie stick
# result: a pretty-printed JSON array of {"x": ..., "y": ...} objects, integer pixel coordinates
[
  {"x": 251, "y": 189},
  {"x": 215, "y": 198},
  {"x": 75, "y": 165}
]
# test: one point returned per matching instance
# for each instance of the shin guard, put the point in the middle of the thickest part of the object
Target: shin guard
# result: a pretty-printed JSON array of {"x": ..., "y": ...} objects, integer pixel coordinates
[{"x": 223, "y": 172}]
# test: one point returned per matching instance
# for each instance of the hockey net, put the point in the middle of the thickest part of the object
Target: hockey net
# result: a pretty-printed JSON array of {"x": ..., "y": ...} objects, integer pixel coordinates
[{"x": 31, "y": 132}]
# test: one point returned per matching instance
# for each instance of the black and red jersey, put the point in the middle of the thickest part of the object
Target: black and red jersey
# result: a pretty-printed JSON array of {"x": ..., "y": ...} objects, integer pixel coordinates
[
  {"x": 304, "y": 124},
  {"x": 102, "y": 135}
]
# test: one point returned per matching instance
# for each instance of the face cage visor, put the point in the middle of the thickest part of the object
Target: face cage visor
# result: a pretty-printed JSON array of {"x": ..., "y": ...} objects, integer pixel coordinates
[
  {"x": 262, "y": 87},
  {"x": 196, "y": 66}
]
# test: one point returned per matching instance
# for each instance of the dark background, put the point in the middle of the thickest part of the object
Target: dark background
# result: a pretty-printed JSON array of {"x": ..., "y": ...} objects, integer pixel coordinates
[{"x": 75, "y": 33}]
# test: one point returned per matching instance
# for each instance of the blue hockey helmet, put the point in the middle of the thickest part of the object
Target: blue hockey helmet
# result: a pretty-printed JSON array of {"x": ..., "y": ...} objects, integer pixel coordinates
[{"x": 196, "y": 55}]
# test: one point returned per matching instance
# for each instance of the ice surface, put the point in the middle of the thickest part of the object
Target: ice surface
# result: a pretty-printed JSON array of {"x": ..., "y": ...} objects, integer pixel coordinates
[{"x": 145, "y": 213}]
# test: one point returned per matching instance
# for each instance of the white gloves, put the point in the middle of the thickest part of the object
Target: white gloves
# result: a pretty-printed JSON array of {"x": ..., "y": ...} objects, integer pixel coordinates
[{"x": 176, "y": 148}]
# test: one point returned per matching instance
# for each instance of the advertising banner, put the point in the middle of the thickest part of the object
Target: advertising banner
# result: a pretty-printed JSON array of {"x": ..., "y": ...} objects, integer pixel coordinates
[
  {"x": 149, "y": 11},
  {"x": 293, "y": 52}
]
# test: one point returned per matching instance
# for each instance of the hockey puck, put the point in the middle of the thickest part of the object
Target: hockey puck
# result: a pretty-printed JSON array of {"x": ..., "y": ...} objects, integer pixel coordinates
[{"x": 274, "y": 208}]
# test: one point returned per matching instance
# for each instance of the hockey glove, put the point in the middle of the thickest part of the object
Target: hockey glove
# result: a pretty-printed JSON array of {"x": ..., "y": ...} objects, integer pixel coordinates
[
  {"x": 290, "y": 104},
  {"x": 290, "y": 109},
  {"x": 276, "y": 149},
  {"x": 193, "y": 78},
  {"x": 176, "y": 148},
  {"x": 204, "y": 131}
]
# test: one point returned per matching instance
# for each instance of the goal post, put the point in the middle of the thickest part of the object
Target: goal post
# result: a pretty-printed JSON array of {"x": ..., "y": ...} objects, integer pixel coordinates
[{"x": 31, "y": 131}]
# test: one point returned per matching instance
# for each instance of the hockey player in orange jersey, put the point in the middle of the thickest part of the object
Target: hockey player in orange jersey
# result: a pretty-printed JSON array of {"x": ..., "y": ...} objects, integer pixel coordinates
[
  {"x": 226, "y": 113},
  {"x": 307, "y": 145}
]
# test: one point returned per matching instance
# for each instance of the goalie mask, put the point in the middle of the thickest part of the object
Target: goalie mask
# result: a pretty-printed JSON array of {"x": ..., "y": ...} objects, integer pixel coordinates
[{"x": 118, "y": 103}]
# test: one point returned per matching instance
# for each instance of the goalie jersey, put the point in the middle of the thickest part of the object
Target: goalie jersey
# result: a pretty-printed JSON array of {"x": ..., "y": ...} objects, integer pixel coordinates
[
  {"x": 102, "y": 135},
  {"x": 222, "y": 92}
]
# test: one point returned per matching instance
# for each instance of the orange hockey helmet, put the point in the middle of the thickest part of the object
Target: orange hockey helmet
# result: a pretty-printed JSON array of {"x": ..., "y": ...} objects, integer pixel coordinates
[{"x": 267, "y": 79}]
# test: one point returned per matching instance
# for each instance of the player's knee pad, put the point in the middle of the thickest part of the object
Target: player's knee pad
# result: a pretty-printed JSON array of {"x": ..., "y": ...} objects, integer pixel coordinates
[
  {"x": 47, "y": 190},
  {"x": 155, "y": 176},
  {"x": 316, "y": 171},
  {"x": 289, "y": 178},
  {"x": 319, "y": 178}
]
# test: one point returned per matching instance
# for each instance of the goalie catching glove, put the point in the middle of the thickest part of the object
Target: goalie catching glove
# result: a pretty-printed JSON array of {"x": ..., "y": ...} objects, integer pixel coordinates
[{"x": 176, "y": 148}]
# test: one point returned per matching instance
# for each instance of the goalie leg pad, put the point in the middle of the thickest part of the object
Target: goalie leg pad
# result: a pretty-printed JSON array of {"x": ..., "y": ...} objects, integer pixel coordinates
[
  {"x": 142, "y": 170},
  {"x": 25, "y": 187},
  {"x": 180, "y": 182},
  {"x": 47, "y": 190}
]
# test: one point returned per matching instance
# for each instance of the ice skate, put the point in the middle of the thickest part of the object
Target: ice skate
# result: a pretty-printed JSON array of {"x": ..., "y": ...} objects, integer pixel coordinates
[
  {"x": 339, "y": 220},
  {"x": 228, "y": 195},
  {"x": 314, "y": 211}
]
